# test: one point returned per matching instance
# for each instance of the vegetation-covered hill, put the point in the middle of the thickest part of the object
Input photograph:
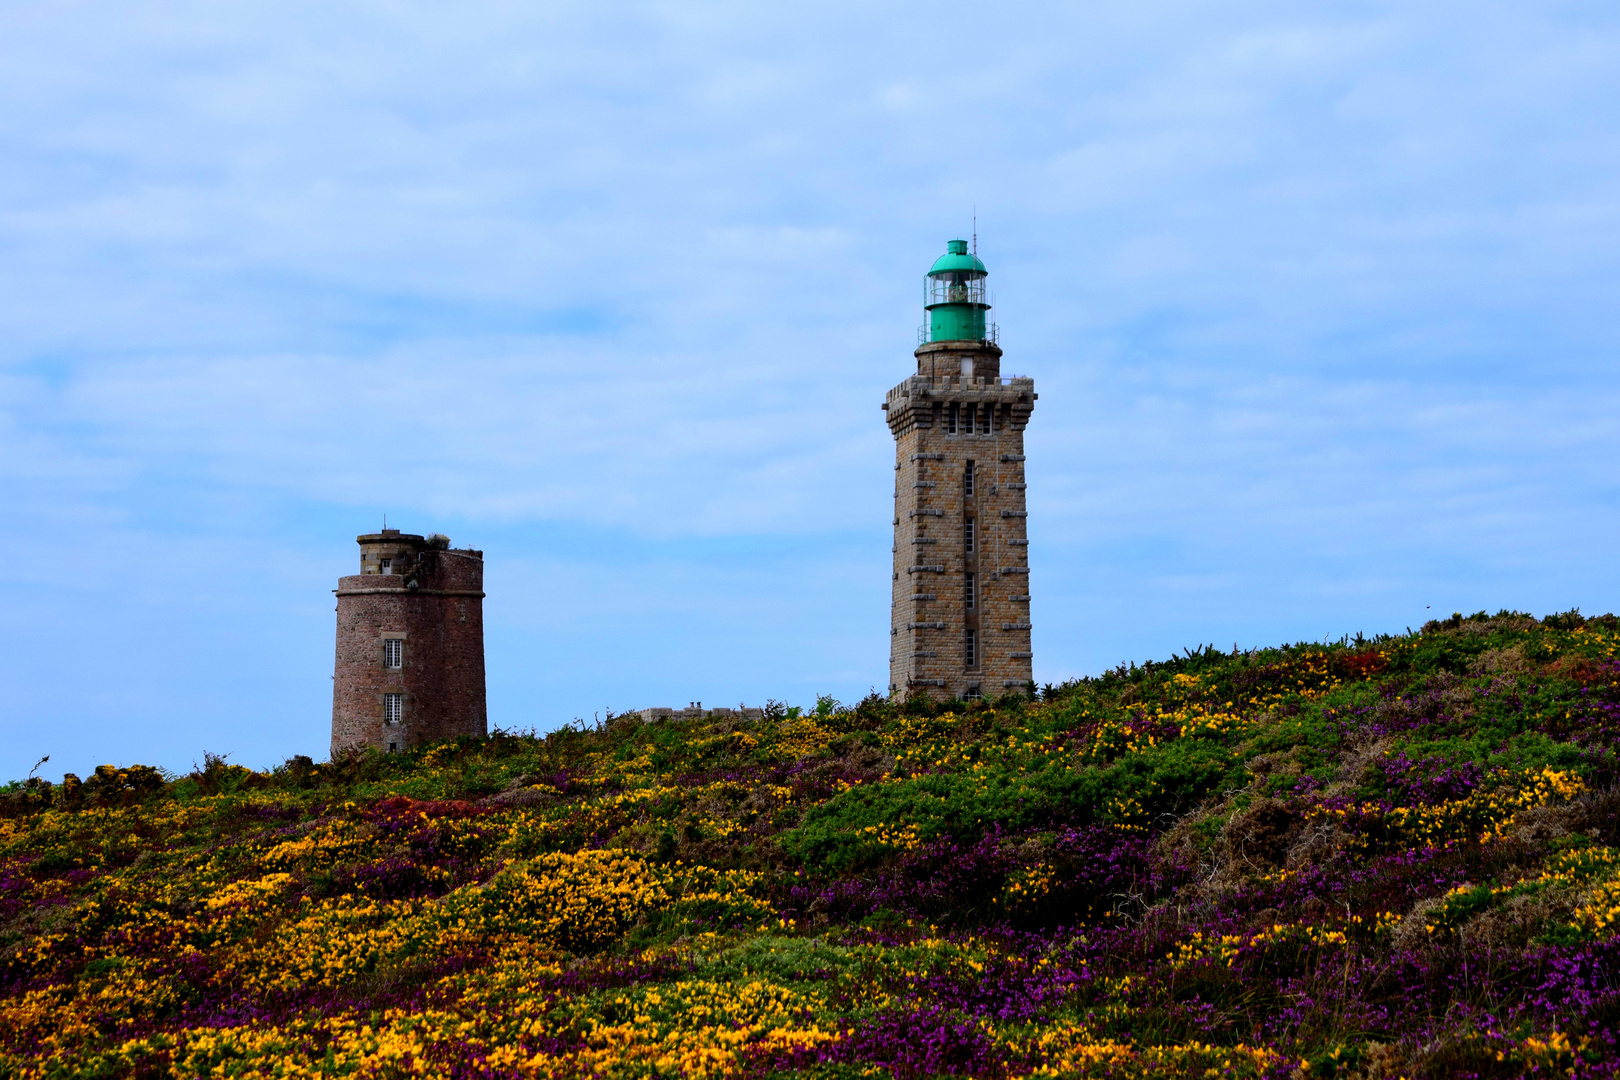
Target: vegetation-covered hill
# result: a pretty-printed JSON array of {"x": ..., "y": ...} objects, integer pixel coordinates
[{"x": 1389, "y": 857}]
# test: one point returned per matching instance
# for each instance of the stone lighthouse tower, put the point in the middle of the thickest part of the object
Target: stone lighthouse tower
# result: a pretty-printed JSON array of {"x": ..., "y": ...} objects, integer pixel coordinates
[
  {"x": 410, "y": 645},
  {"x": 960, "y": 625}
]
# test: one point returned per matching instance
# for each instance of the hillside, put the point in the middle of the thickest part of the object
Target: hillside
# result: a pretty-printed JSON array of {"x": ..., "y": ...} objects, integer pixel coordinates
[{"x": 1383, "y": 857}]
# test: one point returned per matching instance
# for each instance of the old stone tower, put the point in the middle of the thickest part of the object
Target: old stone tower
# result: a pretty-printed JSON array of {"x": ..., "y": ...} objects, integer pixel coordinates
[
  {"x": 960, "y": 625},
  {"x": 410, "y": 645}
]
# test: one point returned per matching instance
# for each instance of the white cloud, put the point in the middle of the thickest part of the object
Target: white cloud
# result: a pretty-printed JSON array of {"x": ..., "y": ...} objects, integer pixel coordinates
[{"x": 1318, "y": 302}]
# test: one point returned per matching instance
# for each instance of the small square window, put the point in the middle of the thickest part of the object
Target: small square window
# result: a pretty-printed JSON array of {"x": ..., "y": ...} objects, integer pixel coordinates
[
  {"x": 393, "y": 708},
  {"x": 392, "y": 747},
  {"x": 393, "y": 653}
]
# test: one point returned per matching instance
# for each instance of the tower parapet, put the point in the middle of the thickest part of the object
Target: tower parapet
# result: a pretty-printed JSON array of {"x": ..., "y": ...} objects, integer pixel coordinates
[
  {"x": 410, "y": 645},
  {"x": 960, "y": 623}
]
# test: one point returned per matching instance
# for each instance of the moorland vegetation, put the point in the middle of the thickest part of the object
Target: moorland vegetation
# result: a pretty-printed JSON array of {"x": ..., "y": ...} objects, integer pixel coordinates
[{"x": 1396, "y": 856}]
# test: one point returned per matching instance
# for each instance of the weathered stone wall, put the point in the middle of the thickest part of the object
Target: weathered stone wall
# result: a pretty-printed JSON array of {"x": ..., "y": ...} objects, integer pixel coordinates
[
  {"x": 697, "y": 712},
  {"x": 931, "y": 615},
  {"x": 432, "y": 601}
]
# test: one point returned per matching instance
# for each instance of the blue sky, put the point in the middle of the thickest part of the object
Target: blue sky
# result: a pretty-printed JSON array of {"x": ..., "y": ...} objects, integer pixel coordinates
[{"x": 1320, "y": 302}]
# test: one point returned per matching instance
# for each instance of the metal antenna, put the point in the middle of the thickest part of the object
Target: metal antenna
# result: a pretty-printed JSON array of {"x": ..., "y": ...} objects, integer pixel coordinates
[{"x": 975, "y": 230}]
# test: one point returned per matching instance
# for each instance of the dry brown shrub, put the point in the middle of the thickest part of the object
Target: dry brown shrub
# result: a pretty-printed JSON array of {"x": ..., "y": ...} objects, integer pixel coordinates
[
  {"x": 1508, "y": 661},
  {"x": 1514, "y": 923},
  {"x": 1413, "y": 931},
  {"x": 1258, "y": 837}
]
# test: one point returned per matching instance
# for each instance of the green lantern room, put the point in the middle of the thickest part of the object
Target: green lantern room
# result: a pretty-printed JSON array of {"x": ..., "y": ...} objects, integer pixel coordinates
[{"x": 954, "y": 296}]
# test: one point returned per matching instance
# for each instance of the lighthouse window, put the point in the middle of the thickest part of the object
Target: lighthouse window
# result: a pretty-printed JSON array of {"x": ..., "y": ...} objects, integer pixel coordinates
[
  {"x": 971, "y": 648},
  {"x": 950, "y": 423},
  {"x": 393, "y": 653},
  {"x": 984, "y": 421},
  {"x": 967, "y": 479},
  {"x": 967, "y": 591},
  {"x": 967, "y": 535},
  {"x": 393, "y": 708},
  {"x": 972, "y": 414}
]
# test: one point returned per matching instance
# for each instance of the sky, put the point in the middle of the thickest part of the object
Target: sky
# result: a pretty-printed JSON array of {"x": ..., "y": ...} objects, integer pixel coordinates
[{"x": 1320, "y": 302}]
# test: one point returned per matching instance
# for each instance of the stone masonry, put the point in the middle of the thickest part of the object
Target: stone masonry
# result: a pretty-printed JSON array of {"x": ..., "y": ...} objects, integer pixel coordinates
[
  {"x": 960, "y": 626},
  {"x": 410, "y": 645},
  {"x": 696, "y": 711}
]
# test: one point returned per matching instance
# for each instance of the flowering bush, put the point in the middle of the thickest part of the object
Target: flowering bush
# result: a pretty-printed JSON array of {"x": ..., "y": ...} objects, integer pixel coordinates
[{"x": 1396, "y": 857}]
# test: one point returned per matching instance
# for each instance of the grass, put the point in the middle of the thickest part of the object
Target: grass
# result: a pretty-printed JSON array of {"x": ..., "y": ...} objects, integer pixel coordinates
[{"x": 1390, "y": 856}]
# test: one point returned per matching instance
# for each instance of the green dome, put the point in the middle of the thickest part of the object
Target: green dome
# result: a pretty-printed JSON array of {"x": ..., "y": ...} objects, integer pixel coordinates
[{"x": 957, "y": 260}]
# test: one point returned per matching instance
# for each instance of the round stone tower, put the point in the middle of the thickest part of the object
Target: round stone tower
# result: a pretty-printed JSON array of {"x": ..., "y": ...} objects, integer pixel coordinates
[
  {"x": 410, "y": 645},
  {"x": 960, "y": 625}
]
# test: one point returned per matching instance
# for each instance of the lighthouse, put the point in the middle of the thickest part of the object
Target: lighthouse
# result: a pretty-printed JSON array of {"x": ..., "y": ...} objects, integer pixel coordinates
[{"x": 960, "y": 616}]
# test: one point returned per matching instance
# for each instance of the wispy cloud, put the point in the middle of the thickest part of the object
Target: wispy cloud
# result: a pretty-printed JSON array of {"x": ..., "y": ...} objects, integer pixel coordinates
[{"x": 1319, "y": 302}]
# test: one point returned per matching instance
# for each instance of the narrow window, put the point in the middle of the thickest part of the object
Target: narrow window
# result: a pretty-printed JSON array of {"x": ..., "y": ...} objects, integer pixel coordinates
[
  {"x": 967, "y": 591},
  {"x": 973, "y": 693},
  {"x": 984, "y": 421},
  {"x": 392, "y": 747},
  {"x": 967, "y": 535},
  {"x": 972, "y": 648},
  {"x": 386, "y": 566},
  {"x": 950, "y": 423},
  {"x": 393, "y": 708},
  {"x": 972, "y": 419},
  {"x": 967, "y": 479},
  {"x": 393, "y": 653}
]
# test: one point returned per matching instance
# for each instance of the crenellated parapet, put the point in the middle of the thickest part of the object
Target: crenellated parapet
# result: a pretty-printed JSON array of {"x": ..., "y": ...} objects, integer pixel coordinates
[{"x": 924, "y": 402}]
